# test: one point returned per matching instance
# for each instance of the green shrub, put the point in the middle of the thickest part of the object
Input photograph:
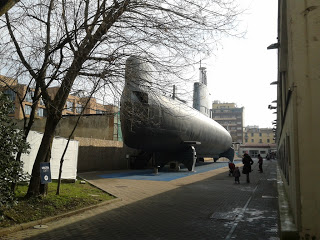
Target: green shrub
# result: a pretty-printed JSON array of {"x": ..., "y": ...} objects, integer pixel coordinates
[{"x": 11, "y": 142}]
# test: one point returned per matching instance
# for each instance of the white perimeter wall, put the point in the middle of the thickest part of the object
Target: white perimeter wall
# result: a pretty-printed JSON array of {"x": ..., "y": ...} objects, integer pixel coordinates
[
  {"x": 69, "y": 170},
  {"x": 247, "y": 149}
]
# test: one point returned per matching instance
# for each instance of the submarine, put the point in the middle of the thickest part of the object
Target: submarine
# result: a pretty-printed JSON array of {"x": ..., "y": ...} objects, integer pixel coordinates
[{"x": 166, "y": 128}]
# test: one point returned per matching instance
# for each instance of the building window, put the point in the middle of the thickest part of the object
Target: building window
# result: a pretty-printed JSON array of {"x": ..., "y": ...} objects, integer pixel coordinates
[
  {"x": 260, "y": 134},
  {"x": 27, "y": 109},
  {"x": 41, "y": 101},
  {"x": 246, "y": 140},
  {"x": 42, "y": 112},
  {"x": 70, "y": 106},
  {"x": 100, "y": 111},
  {"x": 252, "y": 134},
  {"x": 252, "y": 140},
  {"x": 268, "y": 140},
  {"x": 78, "y": 108},
  {"x": 11, "y": 94},
  {"x": 29, "y": 96},
  {"x": 260, "y": 140}
]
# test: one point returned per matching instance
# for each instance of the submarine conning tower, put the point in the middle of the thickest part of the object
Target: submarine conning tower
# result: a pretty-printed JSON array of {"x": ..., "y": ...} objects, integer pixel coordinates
[
  {"x": 138, "y": 73},
  {"x": 201, "y": 93}
]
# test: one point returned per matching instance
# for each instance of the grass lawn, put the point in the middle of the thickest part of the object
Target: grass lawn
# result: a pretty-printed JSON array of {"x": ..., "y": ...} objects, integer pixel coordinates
[{"x": 72, "y": 196}]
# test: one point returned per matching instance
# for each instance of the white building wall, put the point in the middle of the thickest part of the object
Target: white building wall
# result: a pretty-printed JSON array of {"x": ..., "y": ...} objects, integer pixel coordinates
[
  {"x": 69, "y": 170},
  {"x": 263, "y": 151}
]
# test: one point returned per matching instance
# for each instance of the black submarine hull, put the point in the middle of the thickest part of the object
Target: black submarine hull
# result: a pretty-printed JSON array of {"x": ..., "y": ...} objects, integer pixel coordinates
[{"x": 159, "y": 124}]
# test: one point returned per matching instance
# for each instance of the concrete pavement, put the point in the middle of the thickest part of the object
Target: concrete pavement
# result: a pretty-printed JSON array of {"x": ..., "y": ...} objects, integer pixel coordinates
[{"x": 206, "y": 205}]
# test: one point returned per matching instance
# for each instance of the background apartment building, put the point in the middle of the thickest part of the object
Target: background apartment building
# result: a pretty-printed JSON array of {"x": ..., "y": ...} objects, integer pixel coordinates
[
  {"x": 256, "y": 135},
  {"x": 258, "y": 141},
  {"x": 230, "y": 117},
  {"x": 74, "y": 104}
]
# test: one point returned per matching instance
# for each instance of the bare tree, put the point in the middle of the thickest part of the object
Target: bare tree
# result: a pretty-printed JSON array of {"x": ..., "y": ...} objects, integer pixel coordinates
[
  {"x": 71, "y": 135},
  {"x": 62, "y": 43}
]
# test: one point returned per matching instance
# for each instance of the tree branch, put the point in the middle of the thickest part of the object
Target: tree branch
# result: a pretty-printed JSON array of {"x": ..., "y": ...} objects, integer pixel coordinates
[{"x": 20, "y": 54}]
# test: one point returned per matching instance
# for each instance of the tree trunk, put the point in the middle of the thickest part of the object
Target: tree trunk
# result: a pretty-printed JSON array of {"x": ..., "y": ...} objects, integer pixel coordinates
[
  {"x": 42, "y": 156},
  {"x": 44, "y": 187}
]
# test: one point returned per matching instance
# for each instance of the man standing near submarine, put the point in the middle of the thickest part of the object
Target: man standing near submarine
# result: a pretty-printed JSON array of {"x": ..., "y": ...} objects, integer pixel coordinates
[{"x": 247, "y": 162}]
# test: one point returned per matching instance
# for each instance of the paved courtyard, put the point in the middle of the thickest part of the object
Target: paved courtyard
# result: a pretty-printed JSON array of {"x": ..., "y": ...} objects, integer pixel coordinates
[{"x": 202, "y": 205}]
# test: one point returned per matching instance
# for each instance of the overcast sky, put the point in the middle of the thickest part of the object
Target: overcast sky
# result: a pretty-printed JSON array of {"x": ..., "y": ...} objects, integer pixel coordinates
[{"x": 242, "y": 70}]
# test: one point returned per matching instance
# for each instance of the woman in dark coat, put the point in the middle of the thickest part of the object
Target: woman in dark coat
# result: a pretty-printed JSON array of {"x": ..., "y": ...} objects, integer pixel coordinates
[{"x": 247, "y": 162}]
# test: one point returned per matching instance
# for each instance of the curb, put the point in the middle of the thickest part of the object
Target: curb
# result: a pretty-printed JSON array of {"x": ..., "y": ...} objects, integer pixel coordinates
[
  {"x": 287, "y": 227},
  {"x": 27, "y": 225}
]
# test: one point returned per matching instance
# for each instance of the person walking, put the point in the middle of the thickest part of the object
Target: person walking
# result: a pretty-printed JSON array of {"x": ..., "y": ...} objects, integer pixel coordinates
[
  {"x": 247, "y": 162},
  {"x": 260, "y": 161},
  {"x": 236, "y": 174},
  {"x": 231, "y": 168}
]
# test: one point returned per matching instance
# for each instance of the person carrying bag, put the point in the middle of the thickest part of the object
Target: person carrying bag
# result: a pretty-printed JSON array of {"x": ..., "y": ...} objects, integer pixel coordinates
[{"x": 247, "y": 162}]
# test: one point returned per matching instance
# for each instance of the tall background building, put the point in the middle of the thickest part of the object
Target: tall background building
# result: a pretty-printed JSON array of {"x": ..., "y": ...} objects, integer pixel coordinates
[{"x": 230, "y": 117}]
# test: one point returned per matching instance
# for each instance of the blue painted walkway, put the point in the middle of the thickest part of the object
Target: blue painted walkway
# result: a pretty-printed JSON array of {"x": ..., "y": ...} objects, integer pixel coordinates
[{"x": 165, "y": 174}]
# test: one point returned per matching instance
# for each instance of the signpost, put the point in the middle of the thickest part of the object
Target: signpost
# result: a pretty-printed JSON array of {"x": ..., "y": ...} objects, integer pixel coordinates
[{"x": 45, "y": 175}]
